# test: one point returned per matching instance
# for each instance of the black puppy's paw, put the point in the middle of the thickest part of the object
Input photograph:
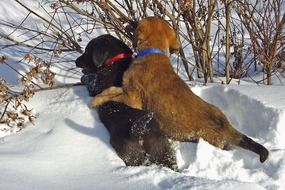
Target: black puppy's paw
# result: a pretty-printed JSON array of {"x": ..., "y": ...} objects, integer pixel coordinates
[
  {"x": 90, "y": 80},
  {"x": 140, "y": 126},
  {"x": 159, "y": 150},
  {"x": 129, "y": 150}
]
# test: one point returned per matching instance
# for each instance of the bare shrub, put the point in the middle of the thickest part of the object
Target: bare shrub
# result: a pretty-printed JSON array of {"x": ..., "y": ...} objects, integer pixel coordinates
[
  {"x": 62, "y": 25},
  {"x": 265, "y": 23}
]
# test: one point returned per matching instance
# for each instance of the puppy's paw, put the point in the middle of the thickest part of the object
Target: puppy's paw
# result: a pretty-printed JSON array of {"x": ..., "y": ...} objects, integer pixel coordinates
[
  {"x": 110, "y": 94},
  {"x": 97, "y": 101},
  {"x": 89, "y": 78},
  {"x": 112, "y": 91}
]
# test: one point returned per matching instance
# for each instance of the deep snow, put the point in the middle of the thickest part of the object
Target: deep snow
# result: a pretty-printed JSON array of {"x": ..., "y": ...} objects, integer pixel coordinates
[{"x": 68, "y": 147}]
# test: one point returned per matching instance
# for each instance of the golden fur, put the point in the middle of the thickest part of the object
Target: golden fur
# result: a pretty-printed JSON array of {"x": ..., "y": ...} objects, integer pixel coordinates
[{"x": 151, "y": 84}]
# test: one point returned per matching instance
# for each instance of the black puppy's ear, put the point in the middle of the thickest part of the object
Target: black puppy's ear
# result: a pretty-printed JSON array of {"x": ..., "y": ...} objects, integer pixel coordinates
[
  {"x": 131, "y": 27},
  {"x": 100, "y": 59}
]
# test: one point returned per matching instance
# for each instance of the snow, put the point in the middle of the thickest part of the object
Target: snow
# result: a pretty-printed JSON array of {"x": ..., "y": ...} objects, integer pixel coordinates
[{"x": 68, "y": 147}]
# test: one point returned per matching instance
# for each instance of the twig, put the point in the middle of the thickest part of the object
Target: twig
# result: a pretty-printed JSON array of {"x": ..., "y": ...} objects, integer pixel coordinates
[
  {"x": 4, "y": 110},
  {"x": 59, "y": 87}
]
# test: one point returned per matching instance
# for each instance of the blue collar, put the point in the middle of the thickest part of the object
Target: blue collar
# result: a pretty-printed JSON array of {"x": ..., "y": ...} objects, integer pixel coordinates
[{"x": 150, "y": 51}]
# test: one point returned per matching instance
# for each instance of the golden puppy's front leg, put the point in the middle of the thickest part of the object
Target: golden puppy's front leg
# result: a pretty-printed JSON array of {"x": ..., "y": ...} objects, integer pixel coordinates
[
  {"x": 117, "y": 94},
  {"x": 110, "y": 94}
]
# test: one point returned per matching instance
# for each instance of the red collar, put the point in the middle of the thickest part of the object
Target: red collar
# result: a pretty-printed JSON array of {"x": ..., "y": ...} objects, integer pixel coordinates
[{"x": 118, "y": 57}]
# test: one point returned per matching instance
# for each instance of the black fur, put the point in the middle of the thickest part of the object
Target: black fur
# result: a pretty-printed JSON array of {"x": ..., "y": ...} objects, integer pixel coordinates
[{"x": 134, "y": 134}]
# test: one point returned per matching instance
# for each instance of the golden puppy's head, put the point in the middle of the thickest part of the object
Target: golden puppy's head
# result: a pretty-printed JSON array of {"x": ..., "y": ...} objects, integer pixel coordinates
[{"x": 153, "y": 32}]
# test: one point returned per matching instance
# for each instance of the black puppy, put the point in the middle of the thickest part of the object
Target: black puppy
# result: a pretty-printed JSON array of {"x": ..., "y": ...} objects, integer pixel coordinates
[{"x": 134, "y": 134}]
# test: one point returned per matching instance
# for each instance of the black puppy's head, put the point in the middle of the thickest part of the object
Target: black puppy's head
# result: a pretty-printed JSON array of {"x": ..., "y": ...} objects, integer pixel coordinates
[{"x": 99, "y": 49}]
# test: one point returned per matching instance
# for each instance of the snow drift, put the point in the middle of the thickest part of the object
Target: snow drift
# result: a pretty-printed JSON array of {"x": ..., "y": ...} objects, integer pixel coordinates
[{"x": 68, "y": 148}]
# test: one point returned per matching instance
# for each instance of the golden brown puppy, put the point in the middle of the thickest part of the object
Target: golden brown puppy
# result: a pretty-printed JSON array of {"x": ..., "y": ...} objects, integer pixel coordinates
[{"x": 151, "y": 84}]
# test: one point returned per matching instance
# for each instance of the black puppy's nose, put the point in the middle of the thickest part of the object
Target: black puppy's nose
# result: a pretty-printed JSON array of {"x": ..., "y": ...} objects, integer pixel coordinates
[{"x": 79, "y": 62}]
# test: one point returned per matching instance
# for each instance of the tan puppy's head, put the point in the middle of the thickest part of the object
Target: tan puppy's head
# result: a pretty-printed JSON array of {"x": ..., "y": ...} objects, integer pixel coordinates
[{"x": 153, "y": 32}]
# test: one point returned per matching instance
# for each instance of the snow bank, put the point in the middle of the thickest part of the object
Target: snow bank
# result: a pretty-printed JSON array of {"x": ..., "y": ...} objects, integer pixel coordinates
[
  {"x": 255, "y": 117},
  {"x": 68, "y": 148}
]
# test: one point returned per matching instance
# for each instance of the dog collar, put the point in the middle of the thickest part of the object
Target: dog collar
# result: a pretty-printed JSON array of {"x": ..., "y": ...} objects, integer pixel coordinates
[
  {"x": 150, "y": 51},
  {"x": 118, "y": 57}
]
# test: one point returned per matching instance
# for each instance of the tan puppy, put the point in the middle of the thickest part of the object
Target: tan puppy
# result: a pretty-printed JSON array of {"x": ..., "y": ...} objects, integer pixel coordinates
[{"x": 151, "y": 84}]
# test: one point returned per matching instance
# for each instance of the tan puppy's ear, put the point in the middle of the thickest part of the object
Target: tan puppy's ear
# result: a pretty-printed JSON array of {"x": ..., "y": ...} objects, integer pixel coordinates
[
  {"x": 173, "y": 41},
  {"x": 141, "y": 33},
  {"x": 174, "y": 46}
]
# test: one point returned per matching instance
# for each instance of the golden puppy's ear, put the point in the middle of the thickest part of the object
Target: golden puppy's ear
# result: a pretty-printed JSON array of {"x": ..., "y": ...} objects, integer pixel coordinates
[
  {"x": 141, "y": 33},
  {"x": 174, "y": 44}
]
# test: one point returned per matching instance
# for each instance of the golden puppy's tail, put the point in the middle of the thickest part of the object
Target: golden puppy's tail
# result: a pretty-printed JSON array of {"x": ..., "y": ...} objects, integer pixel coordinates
[{"x": 249, "y": 144}]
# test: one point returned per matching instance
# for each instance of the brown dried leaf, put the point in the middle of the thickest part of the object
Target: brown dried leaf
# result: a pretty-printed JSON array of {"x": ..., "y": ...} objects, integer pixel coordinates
[
  {"x": 27, "y": 94},
  {"x": 26, "y": 111},
  {"x": 11, "y": 115},
  {"x": 4, "y": 59},
  {"x": 54, "y": 6},
  {"x": 37, "y": 60},
  {"x": 47, "y": 63},
  {"x": 32, "y": 119},
  {"x": 20, "y": 125},
  {"x": 28, "y": 57},
  {"x": 57, "y": 51}
]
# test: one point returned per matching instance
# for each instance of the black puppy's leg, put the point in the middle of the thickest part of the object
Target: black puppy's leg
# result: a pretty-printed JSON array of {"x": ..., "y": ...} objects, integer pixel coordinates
[
  {"x": 134, "y": 134},
  {"x": 249, "y": 144},
  {"x": 118, "y": 119},
  {"x": 158, "y": 147},
  {"x": 129, "y": 150},
  {"x": 155, "y": 143},
  {"x": 141, "y": 125}
]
